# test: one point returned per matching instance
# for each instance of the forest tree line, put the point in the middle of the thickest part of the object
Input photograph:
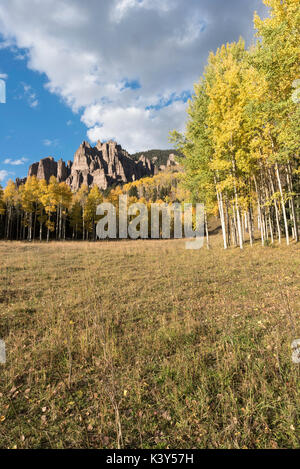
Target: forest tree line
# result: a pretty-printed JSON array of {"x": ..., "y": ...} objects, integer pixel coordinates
[
  {"x": 41, "y": 210},
  {"x": 241, "y": 143}
]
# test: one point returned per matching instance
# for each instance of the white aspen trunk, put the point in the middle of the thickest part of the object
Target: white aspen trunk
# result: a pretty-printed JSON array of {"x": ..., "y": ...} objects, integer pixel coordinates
[
  {"x": 277, "y": 221},
  {"x": 271, "y": 229},
  {"x": 260, "y": 218},
  {"x": 227, "y": 223},
  {"x": 276, "y": 208},
  {"x": 269, "y": 219},
  {"x": 221, "y": 212},
  {"x": 283, "y": 205},
  {"x": 243, "y": 226},
  {"x": 206, "y": 230},
  {"x": 292, "y": 203},
  {"x": 232, "y": 232},
  {"x": 250, "y": 228},
  {"x": 239, "y": 224},
  {"x": 265, "y": 226},
  {"x": 262, "y": 231},
  {"x": 221, "y": 208},
  {"x": 235, "y": 225},
  {"x": 291, "y": 212}
]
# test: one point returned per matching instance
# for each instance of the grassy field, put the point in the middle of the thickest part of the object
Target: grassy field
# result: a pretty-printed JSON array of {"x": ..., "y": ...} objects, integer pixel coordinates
[{"x": 143, "y": 344}]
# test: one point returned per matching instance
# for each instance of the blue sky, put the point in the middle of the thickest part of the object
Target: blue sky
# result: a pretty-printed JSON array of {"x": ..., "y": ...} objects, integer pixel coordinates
[
  {"x": 120, "y": 69},
  {"x": 34, "y": 122}
]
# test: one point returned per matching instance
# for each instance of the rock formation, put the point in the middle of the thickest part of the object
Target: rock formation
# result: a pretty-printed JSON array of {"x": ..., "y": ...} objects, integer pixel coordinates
[
  {"x": 103, "y": 165},
  {"x": 44, "y": 169}
]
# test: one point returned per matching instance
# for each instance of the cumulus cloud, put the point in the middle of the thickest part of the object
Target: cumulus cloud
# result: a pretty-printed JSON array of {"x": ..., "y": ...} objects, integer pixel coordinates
[
  {"x": 15, "y": 162},
  {"x": 143, "y": 129},
  {"x": 88, "y": 50},
  {"x": 30, "y": 96},
  {"x": 3, "y": 175},
  {"x": 124, "y": 7},
  {"x": 50, "y": 143}
]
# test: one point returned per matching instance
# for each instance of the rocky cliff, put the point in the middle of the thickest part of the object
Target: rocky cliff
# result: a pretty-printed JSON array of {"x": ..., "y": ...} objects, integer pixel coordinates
[{"x": 103, "y": 165}]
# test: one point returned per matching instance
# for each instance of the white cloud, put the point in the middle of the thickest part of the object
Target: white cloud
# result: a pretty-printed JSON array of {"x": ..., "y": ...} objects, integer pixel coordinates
[
  {"x": 88, "y": 49},
  {"x": 124, "y": 7},
  {"x": 15, "y": 162},
  {"x": 4, "y": 76},
  {"x": 50, "y": 143},
  {"x": 3, "y": 175},
  {"x": 33, "y": 103},
  {"x": 139, "y": 128},
  {"x": 29, "y": 95},
  {"x": 121, "y": 8}
]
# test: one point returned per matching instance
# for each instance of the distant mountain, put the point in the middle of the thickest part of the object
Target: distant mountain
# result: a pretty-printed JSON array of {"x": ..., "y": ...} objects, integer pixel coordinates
[{"x": 105, "y": 165}]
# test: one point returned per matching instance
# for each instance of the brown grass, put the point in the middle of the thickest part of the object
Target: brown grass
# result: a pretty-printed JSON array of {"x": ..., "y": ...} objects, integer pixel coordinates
[{"x": 143, "y": 344}]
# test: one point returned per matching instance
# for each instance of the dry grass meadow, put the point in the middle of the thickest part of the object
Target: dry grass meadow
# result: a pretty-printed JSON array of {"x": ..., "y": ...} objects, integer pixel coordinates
[{"x": 143, "y": 344}]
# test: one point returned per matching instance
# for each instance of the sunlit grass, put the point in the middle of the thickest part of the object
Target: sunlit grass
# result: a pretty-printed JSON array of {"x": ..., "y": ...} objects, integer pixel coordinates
[{"x": 144, "y": 344}]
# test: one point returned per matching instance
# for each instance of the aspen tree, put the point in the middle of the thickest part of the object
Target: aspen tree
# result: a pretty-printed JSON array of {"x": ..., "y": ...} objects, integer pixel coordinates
[
  {"x": 277, "y": 59},
  {"x": 49, "y": 201},
  {"x": 94, "y": 198},
  {"x": 9, "y": 195},
  {"x": 82, "y": 198}
]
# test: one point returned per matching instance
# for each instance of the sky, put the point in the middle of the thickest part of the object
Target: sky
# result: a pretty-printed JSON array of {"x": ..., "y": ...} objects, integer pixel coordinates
[{"x": 104, "y": 69}]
